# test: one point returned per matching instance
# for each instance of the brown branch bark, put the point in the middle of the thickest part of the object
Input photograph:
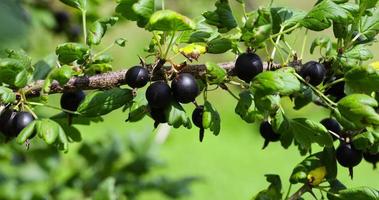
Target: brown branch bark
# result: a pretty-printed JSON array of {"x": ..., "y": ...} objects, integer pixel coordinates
[{"x": 113, "y": 79}]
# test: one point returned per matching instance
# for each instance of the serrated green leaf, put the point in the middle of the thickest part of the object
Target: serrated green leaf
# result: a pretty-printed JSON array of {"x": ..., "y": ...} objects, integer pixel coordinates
[
  {"x": 219, "y": 45},
  {"x": 222, "y": 17},
  {"x": 362, "y": 79},
  {"x": 246, "y": 107},
  {"x": 366, "y": 4},
  {"x": 285, "y": 18},
  {"x": 136, "y": 10},
  {"x": 70, "y": 52},
  {"x": 137, "y": 111},
  {"x": 93, "y": 69},
  {"x": 281, "y": 125},
  {"x": 257, "y": 27},
  {"x": 215, "y": 74},
  {"x": 7, "y": 95},
  {"x": 274, "y": 191},
  {"x": 307, "y": 132},
  {"x": 358, "y": 109},
  {"x": 62, "y": 74},
  {"x": 98, "y": 30},
  {"x": 363, "y": 141},
  {"x": 103, "y": 102},
  {"x": 370, "y": 25},
  {"x": 9, "y": 69},
  {"x": 21, "y": 79},
  {"x": 177, "y": 116},
  {"x": 365, "y": 193},
  {"x": 281, "y": 82},
  {"x": 322, "y": 15},
  {"x": 48, "y": 130},
  {"x": 304, "y": 97},
  {"x": 168, "y": 20},
  {"x": 267, "y": 103},
  {"x": 26, "y": 133}
]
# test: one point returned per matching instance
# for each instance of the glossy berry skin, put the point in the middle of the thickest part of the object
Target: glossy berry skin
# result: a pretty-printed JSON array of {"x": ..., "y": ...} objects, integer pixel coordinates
[
  {"x": 184, "y": 88},
  {"x": 159, "y": 116},
  {"x": 313, "y": 72},
  {"x": 137, "y": 77},
  {"x": 158, "y": 95},
  {"x": 22, "y": 120},
  {"x": 371, "y": 158},
  {"x": 6, "y": 122},
  {"x": 348, "y": 156},
  {"x": 247, "y": 66},
  {"x": 331, "y": 125},
  {"x": 71, "y": 100},
  {"x": 268, "y": 133}
]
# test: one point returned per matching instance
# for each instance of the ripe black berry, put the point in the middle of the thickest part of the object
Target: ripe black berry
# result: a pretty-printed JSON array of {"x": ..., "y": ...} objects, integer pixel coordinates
[
  {"x": 159, "y": 116},
  {"x": 348, "y": 156},
  {"x": 247, "y": 66},
  {"x": 371, "y": 158},
  {"x": 158, "y": 95},
  {"x": 22, "y": 120},
  {"x": 197, "y": 119},
  {"x": 6, "y": 122},
  {"x": 137, "y": 77},
  {"x": 184, "y": 88},
  {"x": 332, "y": 125},
  {"x": 268, "y": 133},
  {"x": 313, "y": 72},
  {"x": 71, "y": 100},
  {"x": 337, "y": 90},
  {"x": 62, "y": 20}
]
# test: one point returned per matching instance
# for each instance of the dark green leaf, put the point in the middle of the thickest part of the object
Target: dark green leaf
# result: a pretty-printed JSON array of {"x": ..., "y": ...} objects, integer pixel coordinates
[
  {"x": 222, "y": 17},
  {"x": 358, "y": 109},
  {"x": 370, "y": 25},
  {"x": 365, "y": 193},
  {"x": 285, "y": 17},
  {"x": 98, "y": 30},
  {"x": 281, "y": 125},
  {"x": 364, "y": 140},
  {"x": 21, "y": 79},
  {"x": 246, "y": 107},
  {"x": 274, "y": 191},
  {"x": 366, "y": 4},
  {"x": 304, "y": 97},
  {"x": 267, "y": 104},
  {"x": 103, "y": 102},
  {"x": 9, "y": 69},
  {"x": 79, "y": 4},
  {"x": 48, "y": 130},
  {"x": 62, "y": 74},
  {"x": 137, "y": 111},
  {"x": 136, "y": 10},
  {"x": 70, "y": 52},
  {"x": 211, "y": 118},
  {"x": 93, "y": 69},
  {"x": 362, "y": 79},
  {"x": 168, "y": 20},
  {"x": 219, "y": 45},
  {"x": 177, "y": 116},
  {"x": 26, "y": 133}
]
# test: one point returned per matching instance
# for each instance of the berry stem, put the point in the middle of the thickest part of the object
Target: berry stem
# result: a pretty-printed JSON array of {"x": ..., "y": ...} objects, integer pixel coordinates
[
  {"x": 53, "y": 107},
  {"x": 276, "y": 43},
  {"x": 295, "y": 196},
  {"x": 331, "y": 84},
  {"x": 288, "y": 191},
  {"x": 304, "y": 43},
  {"x": 285, "y": 31},
  {"x": 84, "y": 21}
]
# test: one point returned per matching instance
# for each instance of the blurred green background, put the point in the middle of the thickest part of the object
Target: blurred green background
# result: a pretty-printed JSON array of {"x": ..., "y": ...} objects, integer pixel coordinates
[{"x": 232, "y": 165}]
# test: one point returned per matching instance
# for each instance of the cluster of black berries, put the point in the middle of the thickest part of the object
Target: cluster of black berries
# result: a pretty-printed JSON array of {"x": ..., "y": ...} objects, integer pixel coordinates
[
  {"x": 64, "y": 24},
  {"x": 12, "y": 122}
]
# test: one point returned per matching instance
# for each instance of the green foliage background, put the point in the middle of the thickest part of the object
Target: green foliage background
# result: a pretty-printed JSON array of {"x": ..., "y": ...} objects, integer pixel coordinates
[{"x": 233, "y": 164}]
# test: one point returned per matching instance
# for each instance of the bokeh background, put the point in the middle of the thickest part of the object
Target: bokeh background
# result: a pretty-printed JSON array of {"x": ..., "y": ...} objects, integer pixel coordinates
[{"x": 231, "y": 166}]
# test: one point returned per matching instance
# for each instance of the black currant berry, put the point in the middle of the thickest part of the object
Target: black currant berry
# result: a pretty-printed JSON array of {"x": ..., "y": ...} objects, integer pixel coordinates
[
  {"x": 158, "y": 95},
  {"x": 6, "y": 122},
  {"x": 22, "y": 120},
  {"x": 197, "y": 119},
  {"x": 247, "y": 66},
  {"x": 71, "y": 100},
  {"x": 348, "y": 156},
  {"x": 159, "y": 116},
  {"x": 184, "y": 88},
  {"x": 313, "y": 72},
  {"x": 62, "y": 20},
  {"x": 74, "y": 33},
  {"x": 337, "y": 90},
  {"x": 137, "y": 77},
  {"x": 371, "y": 158},
  {"x": 268, "y": 133},
  {"x": 332, "y": 125}
]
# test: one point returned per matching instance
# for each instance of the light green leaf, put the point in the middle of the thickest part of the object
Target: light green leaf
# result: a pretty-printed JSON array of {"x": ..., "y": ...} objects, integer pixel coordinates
[
  {"x": 70, "y": 52},
  {"x": 362, "y": 79},
  {"x": 222, "y": 17},
  {"x": 211, "y": 118},
  {"x": 98, "y": 30},
  {"x": 177, "y": 116},
  {"x": 168, "y": 20},
  {"x": 136, "y": 10},
  {"x": 246, "y": 107},
  {"x": 215, "y": 74},
  {"x": 7, "y": 95}
]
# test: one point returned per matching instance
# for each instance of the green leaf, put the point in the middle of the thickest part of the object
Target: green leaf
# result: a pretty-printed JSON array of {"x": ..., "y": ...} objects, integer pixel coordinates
[
  {"x": 304, "y": 97},
  {"x": 267, "y": 103},
  {"x": 78, "y": 4},
  {"x": 70, "y": 52},
  {"x": 366, "y": 4},
  {"x": 285, "y": 18},
  {"x": 370, "y": 25},
  {"x": 365, "y": 193},
  {"x": 358, "y": 109},
  {"x": 211, "y": 118},
  {"x": 21, "y": 79},
  {"x": 222, "y": 17},
  {"x": 136, "y": 10},
  {"x": 193, "y": 51},
  {"x": 103, "y": 102},
  {"x": 21, "y": 56},
  {"x": 137, "y": 111},
  {"x": 93, "y": 69},
  {"x": 168, "y": 20},
  {"x": 246, "y": 107},
  {"x": 98, "y": 30},
  {"x": 281, "y": 125},
  {"x": 307, "y": 132},
  {"x": 9, "y": 70},
  {"x": 274, "y": 191},
  {"x": 7, "y": 95},
  {"x": 62, "y": 74},
  {"x": 215, "y": 74},
  {"x": 104, "y": 58},
  {"x": 26, "y": 133},
  {"x": 121, "y": 42},
  {"x": 257, "y": 28},
  {"x": 322, "y": 15},
  {"x": 322, "y": 43},
  {"x": 48, "y": 130},
  {"x": 282, "y": 82},
  {"x": 362, "y": 79},
  {"x": 106, "y": 190},
  {"x": 219, "y": 45},
  {"x": 177, "y": 116},
  {"x": 364, "y": 140},
  {"x": 359, "y": 52}
]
